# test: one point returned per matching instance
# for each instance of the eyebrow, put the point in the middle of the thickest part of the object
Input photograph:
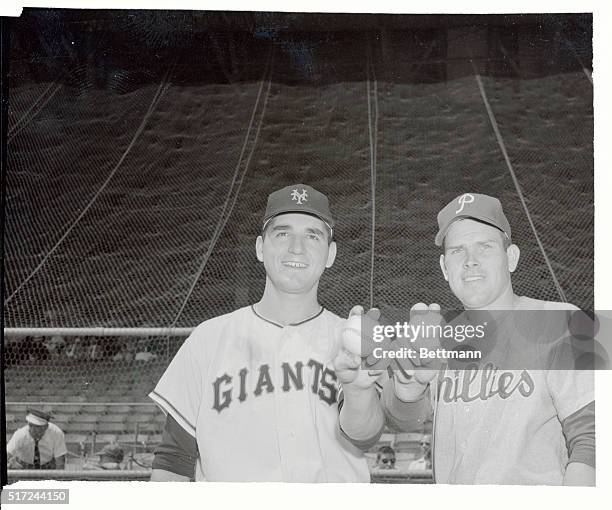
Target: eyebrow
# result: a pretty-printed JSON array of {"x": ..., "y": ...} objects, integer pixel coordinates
[
  {"x": 477, "y": 242},
  {"x": 281, "y": 227},
  {"x": 313, "y": 230}
]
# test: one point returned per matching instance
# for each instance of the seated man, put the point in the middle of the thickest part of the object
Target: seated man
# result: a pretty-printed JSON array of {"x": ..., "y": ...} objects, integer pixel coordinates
[
  {"x": 424, "y": 461},
  {"x": 37, "y": 445},
  {"x": 385, "y": 458},
  {"x": 110, "y": 457}
]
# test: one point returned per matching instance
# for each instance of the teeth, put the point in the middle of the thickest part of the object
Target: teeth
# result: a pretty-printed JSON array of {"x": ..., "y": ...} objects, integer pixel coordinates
[
  {"x": 298, "y": 265},
  {"x": 473, "y": 278}
]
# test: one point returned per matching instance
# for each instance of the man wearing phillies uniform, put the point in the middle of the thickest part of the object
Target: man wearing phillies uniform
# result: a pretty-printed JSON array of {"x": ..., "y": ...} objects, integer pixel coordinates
[
  {"x": 254, "y": 395},
  {"x": 499, "y": 426}
]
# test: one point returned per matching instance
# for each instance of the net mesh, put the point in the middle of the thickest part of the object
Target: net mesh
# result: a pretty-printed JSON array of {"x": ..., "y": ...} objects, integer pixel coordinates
[{"x": 142, "y": 147}]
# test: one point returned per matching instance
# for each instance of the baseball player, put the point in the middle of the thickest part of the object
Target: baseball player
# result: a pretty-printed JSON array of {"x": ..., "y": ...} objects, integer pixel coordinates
[
  {"x": 38, "y": 445},
  {"x": 254, "y": 395},
  {"x": 499, "y": 426}
]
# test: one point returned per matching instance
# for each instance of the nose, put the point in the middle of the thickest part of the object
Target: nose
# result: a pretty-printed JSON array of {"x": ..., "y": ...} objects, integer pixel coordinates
[
  {"x": 471, "y": 259},
  {"x": 296, "y": 245}
]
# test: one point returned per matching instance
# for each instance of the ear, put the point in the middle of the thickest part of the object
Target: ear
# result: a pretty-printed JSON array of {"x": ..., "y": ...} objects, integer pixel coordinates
[
  {"x": 331, "y": 254},
  {"x": 443, "y": 267},
  {"x": 514, "y": 254},
  {"x": 259, "y": 248}
]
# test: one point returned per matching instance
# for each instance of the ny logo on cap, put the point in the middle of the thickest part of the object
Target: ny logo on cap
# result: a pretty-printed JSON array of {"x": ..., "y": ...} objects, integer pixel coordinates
[
  {"x": 303, "y": 196},
  {"x": 464, "y": 199}
]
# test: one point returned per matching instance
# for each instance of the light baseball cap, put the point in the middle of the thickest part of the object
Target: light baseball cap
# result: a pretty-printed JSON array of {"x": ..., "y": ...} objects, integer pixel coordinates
[
  {"x": 36, "y": 417},
  {"x": 299, "y": 198},
  {"x": 475, "y": 206}
]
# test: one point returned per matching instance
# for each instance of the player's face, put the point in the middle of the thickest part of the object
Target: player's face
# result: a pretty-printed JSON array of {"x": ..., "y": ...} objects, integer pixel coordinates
[
  {"x": 37, "y": 431},
  {"x": 295, "y": 252},
  {"x": 477, "y": 266},
  {"x": 386, "y": 461}
]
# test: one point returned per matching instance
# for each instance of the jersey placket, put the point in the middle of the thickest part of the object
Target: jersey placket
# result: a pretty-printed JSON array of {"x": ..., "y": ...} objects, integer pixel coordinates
[{"x": 285, "y": 434}]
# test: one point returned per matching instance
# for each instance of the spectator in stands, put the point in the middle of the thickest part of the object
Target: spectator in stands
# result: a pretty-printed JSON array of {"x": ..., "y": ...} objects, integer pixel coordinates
[
  {"x": 74, "y": 351},
  {"x": 111, "y": 457},
  {"x": 145, "y": 354},
  {"x": 37, "y": 445},
  {"x": 385, "y": 458},
  {"x": 55, "y": 346},
  {"x": 32, "y": 349},
  {"x": 424, "y": 461}
]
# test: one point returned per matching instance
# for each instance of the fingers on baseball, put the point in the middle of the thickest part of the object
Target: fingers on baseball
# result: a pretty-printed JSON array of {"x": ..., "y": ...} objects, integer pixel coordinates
[
  {"x": 419, "y": 309},
  {"x": 373, "y": 313},
  {"x": 356, "y": 310}
]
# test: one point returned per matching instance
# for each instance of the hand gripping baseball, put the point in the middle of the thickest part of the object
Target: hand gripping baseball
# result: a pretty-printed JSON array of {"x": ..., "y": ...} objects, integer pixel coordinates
[
  {"x": 356, "y": 343},
  {"x": 423, "y": 368}
]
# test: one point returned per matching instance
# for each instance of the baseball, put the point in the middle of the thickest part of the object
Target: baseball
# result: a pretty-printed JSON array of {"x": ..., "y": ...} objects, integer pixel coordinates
[{"x": 351, "y": 335}]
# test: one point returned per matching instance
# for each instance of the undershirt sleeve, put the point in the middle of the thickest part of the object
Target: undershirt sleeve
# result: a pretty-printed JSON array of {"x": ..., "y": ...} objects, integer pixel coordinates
[
  {"x": 178, "y": 450},
  {"x": 405, "y": 416},
  {"x": 579, "y": 431},
  {"x": 362, "y": 444}
]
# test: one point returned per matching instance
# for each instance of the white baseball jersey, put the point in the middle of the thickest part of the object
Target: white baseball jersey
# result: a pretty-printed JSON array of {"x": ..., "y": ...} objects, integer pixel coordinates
[
  {"x": 51, "y": 446},
  {"x": 261, "y": 400},
  {"x": 492, "y": 432}
]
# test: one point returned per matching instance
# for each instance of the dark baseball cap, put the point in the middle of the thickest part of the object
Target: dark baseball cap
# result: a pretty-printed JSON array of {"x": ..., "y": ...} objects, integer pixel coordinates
[
  {"x": 299, "y": 198},
  {"x": 475, "y": 206}
]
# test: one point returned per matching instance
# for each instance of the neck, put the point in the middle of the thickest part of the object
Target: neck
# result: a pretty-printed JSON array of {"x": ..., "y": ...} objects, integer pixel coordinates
[
  {"x": 506, "y": 301},
  {"x": 285, "y": 308}
]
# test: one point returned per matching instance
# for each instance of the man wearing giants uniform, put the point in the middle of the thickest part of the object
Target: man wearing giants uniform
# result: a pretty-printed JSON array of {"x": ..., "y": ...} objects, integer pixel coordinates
[{"x": 254, "y": 395}]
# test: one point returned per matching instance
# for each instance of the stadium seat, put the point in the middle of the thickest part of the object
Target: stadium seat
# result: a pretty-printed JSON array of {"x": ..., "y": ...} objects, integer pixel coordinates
[
  {"x": 80, "y": 427},
  {"x": 140, "y": 418},
  {"x": 16, "y": 408},
  {"x": 61, "y": 417},
  {"x": 152, "y": 409},
  {"x": 75, "y": 398},
  {"x": 120, "y": 409},
  {"x": 96, "y": 408},
  {"x": 113, "y": 418},
  {"x": 71, "y": 409},
  {"x": 87, "y": 417},
  {"x": 76, "y": 438},
  {"x": 110, "y": 427},
  {"x": 103, "y": 439}
]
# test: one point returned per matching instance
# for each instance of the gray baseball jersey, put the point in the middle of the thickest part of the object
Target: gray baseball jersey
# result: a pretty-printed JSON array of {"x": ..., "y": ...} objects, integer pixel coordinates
[
  {"x": 513, "y": 435},
  {"x": 261, "y": 400}
]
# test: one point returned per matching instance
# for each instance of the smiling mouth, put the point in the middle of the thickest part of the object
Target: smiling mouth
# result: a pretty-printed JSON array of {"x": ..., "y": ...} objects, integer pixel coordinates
[
  {"x": 473, "y": 278},
  {"x": 295, "y": 265}
]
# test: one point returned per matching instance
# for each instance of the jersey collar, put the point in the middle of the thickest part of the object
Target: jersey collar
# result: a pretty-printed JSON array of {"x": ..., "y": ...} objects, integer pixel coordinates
[{"x": 292, "y": 324}]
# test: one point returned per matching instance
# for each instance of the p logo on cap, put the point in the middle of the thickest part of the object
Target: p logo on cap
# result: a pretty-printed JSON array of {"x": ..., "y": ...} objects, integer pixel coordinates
[
  {"x": 472, "y": 206},
  {"x": 464, "y": 199}
]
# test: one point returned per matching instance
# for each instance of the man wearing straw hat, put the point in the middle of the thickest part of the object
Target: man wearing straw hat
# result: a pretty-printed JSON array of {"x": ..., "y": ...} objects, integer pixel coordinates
[{"x": 37, "y": 445}]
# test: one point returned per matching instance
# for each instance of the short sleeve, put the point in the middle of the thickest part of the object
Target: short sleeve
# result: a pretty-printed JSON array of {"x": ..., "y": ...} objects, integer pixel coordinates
[
  {"x": 570, "y": 390},
  {"x": 59, "y": 443},
  {"x": 13, "y": 443},
  {"x": 179, "y": 391}
]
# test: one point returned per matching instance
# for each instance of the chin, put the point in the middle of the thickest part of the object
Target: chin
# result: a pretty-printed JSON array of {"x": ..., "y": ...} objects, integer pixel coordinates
[{"x": 474, "y": 303}]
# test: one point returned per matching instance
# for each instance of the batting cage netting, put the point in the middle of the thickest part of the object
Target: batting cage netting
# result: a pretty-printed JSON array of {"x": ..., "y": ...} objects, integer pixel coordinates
[{"x": 142, "y": 146}]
